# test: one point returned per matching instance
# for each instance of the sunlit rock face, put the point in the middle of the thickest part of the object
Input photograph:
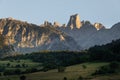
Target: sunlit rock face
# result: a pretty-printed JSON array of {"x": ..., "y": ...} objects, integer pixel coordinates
[
  {"x": 26, "y": 37},
  {"x": 87, "y": 34},
  {"x": 57, "y": 24},
  {"x": 5, "y": 49},
  {"x": 74, "y": 22},
  {"x": 77, "y": 35},
  {"x": 99, "y": 26}
]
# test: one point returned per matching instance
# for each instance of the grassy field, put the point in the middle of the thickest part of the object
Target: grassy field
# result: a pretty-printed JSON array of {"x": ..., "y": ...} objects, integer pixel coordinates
[
  {"x": 71, "y": 72},
  {"x": 14, "y": 63}
]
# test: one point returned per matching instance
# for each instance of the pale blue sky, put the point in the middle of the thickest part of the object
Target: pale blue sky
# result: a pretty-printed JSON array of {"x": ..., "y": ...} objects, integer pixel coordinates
[{"x": 37, "y": 11}]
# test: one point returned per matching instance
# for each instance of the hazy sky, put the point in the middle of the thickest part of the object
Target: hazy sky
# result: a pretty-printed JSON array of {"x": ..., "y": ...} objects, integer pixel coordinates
[{"x": 37, "y": 11}]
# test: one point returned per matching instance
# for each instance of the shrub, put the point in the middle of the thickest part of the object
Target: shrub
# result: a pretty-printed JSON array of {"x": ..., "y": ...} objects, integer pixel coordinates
[
  {"x": 61, "y": 69},
  {"x": 0, "y": 74},
  {"x": 24, "y": 65},
  {"x": 113, "y": 67},
  {"x": 12, "y": 72},
  {"x": 31, "y": 70},
  {"x": 17, "y": 71},
  {"x": 80, "y": 78},
  {"x": 65, "y": 78},
  {"x": 8, "y": 64},
  {"x": 84, "y": 66},
  {"x": 103, "y": 70},
  {"x": 22, "y": 77},
  {"x": 18, "y": 66},
  {"x": 8, "y": 72},
  {"x": 2, "y": 68}
]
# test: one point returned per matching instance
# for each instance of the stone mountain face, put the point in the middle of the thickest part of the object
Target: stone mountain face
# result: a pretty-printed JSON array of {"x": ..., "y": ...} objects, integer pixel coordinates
[
  {"x": 88, "y": 35},
  {"x": 82, "y": 34},
  {"x": 5, "y": 49},
  {"x": 104, "y": 36},
  {"x": 115, "y": 31},
  {"x": 74, "y": 22},
  {"x": 56, "y": 24},
  {"x": 77, "y": 35},
  {"x": 27, "y": 37},
  {"x": 99, "y": 26}
]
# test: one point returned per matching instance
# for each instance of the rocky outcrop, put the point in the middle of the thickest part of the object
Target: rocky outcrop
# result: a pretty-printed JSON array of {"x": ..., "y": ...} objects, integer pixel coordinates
[
  {"x": 46, "y": 23},
  {"x": 74, "y": 22},
  {"x": 88, "y": 35},
  {"x": 57, "y": 24},
  {"x": 77, "y": 35},
  {"x": 26, "y": 37},
  {"x": 99, "y": 26},
  {"x": 5, "y": 49}
]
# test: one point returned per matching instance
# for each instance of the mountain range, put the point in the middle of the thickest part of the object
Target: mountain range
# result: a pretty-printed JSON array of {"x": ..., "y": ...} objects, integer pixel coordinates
[
  {"x": 77, "y": 35},
  {"x": 87, "y": 35}
]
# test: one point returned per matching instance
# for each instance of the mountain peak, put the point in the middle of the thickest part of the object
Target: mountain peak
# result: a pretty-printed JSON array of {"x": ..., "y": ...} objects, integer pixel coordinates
[
  {"x": 116, "y": 26},
  {"x": 56, "y": 24},
  {"x": 46, "y": 23},
  {"x": 74, "y": 21},
  {"x": 13, "y": 20},
  {"x": 9, "y": 18},
  {"x": 26, "y": 37},
  {"x": 98, "y": 26}
]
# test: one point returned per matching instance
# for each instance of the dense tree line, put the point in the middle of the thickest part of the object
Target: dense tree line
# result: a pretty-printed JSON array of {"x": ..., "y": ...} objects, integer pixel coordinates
[
  {"x": 108, "y": 52},
  {"x": 19, "y": 71},
  {"x": 53, "y": 59},
  {"x": 113, "y": 67},
  {"x": 63, "y": 58}
]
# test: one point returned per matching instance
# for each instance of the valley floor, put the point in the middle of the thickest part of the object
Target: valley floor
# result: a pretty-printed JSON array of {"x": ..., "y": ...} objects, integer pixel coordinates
[{"x": 71, "y": 73}]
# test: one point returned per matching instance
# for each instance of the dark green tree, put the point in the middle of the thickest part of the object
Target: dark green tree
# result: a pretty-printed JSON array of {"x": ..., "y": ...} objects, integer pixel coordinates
[
  {"x": 22, "y": 77},
  {"x": 61, "y": 69}
]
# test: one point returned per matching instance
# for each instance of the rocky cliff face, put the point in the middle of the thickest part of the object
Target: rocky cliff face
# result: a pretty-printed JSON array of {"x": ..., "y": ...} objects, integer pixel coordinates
[
  {"x": 82, "y": 34},
  {"x": 57, "y": 24},
  {"x": 27, "y": 37},
  {"x": 77, "y": 35},
  {"x": 5, "y": 49},
  {"x": 99, "y": 26},
  {"x": 88, "y": 35},
  {"x": 74, "y": 22}
]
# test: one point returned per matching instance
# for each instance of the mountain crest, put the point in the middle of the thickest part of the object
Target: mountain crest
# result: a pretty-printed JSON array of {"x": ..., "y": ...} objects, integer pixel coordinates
[
  {"x": 98, "y": 26},
  {"x": 26, "y": 37},
  {"x": 56, "y": 24},
  {"x": 74, "y": 22},
  {"x": 9, "y": 18}
]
